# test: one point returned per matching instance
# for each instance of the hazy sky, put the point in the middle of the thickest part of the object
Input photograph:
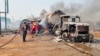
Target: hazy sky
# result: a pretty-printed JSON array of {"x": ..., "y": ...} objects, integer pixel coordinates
[{"x": 20, "y": 9}]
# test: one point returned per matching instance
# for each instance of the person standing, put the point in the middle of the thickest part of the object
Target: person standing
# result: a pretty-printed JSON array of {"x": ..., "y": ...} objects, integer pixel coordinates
[
  {"x": 32, "y": 29},
  {"x": 24, "y": 29},
  {"x": 36, "y": 28}
]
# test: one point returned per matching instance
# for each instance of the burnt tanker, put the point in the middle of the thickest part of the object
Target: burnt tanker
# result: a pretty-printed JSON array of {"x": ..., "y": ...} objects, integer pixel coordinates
[{"x": 54, "y": 18}]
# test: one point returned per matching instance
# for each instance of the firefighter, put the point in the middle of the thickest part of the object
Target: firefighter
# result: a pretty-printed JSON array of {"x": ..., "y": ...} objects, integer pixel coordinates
[
  {"x": 24, "y": 29},
  {"x": 36, "y": 25},
  {"x": 34, "y": 29}
]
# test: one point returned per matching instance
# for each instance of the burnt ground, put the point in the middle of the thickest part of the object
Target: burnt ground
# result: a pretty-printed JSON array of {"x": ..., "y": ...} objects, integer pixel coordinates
[
  {"x": 95, "y": 44},
  {"x": 45, "y": 46}
]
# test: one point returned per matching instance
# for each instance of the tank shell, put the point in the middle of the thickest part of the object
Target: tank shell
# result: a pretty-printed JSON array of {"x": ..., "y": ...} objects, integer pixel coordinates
[{"x": 54, "y": 18}]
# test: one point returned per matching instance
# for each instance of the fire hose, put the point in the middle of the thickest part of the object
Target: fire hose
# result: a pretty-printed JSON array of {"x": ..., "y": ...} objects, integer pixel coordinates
[
  {"x": 78, "y": 49},
  {"x": 10, "y": 39}
]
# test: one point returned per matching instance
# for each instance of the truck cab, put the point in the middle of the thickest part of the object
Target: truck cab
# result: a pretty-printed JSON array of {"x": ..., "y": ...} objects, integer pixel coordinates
[{"x": 71, "y": 28}]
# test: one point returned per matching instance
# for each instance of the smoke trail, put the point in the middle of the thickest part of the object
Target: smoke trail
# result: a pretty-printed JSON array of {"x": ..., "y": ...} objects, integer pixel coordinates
[
  {"x": 91, "y": 11},
  {"x": 62, "y": 9},
  {"x": 68, "y": 9}
]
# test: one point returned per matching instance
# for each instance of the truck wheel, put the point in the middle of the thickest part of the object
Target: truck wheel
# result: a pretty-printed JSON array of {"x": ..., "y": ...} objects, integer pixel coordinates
[
  {"x": 75, "y": 39},
  {"x": 65, "y": 36},
  {"x": 79, "y": 39},
  {"x": 91, "y": 38}
]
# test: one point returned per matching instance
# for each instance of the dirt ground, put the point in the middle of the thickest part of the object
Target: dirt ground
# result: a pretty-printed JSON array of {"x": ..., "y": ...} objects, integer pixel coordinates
[
  {"x": 96, "y": 34},
  {"x": 38, "y": 46}
]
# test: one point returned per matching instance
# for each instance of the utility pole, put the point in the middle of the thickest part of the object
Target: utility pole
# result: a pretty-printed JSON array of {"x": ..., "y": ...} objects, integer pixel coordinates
[
  {"x": 0, "y": 23},
  {"x": 5, "y": 14}
]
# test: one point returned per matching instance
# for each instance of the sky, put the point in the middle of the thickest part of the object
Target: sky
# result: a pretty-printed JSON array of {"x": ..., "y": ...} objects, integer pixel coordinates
[{"x": 21, "y": 9}]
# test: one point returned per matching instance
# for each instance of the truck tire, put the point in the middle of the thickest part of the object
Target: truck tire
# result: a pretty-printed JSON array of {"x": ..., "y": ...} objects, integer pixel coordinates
[
  {"x": 64, "y": 36},
  {"x": 90, "y": 38}
]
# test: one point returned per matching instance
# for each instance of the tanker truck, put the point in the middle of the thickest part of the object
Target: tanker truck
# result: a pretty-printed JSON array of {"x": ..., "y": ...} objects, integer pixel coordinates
[
  {"x": 69, "y": 27},
  {"x": 54, "y": 19}
]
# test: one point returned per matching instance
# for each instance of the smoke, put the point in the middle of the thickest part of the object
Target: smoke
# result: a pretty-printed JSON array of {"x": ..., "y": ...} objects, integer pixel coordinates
[
  {"x": 43, "y": 13},
  {"x": 90, "y": 11},
  {"x": 60, "y": 8},
  {"x": 68, "y": 9}
]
